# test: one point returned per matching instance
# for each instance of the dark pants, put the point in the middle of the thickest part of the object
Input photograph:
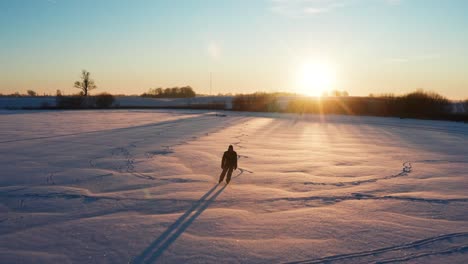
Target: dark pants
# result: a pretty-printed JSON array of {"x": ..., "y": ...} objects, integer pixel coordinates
[{"x": 229, "y": 174}]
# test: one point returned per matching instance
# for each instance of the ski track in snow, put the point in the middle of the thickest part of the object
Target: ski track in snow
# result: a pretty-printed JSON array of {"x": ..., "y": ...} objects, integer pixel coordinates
[
  {"x": 157, "y": 171},
  {"x": 407, "y": 167}
]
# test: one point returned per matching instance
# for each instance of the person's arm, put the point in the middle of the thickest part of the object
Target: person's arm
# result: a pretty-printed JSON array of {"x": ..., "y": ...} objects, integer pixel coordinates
[{"x": 223, "y": 161}]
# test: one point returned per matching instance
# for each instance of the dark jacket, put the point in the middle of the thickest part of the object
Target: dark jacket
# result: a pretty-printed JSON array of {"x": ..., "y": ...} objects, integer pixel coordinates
[{"x": 229, "y": 159}]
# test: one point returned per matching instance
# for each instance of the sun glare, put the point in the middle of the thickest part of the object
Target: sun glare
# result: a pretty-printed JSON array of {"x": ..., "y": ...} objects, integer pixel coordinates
[{"x": 314, "y": 79}]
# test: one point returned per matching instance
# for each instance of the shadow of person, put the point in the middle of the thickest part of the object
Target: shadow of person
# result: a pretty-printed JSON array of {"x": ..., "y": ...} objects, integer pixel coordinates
[{"x": 158, "y": 246}]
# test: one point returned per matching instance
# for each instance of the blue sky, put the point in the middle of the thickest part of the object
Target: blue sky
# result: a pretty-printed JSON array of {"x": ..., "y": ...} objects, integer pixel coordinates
[{"x": 375, "y": 46}]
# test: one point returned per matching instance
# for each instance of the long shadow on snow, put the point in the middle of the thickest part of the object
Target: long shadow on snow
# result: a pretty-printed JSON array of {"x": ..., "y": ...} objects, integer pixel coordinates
[{"x": 164, "y": 241}]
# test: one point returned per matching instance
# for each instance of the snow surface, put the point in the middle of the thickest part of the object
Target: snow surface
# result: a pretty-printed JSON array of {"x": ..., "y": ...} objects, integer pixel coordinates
[{"x": 141, "y": 187}]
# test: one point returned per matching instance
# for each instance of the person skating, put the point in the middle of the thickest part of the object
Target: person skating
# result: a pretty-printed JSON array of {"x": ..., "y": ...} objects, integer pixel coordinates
[{"x": 228, "y": 164}]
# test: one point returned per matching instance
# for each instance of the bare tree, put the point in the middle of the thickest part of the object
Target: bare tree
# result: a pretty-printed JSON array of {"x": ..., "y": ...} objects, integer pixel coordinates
[{"x": 86, "y": 84}]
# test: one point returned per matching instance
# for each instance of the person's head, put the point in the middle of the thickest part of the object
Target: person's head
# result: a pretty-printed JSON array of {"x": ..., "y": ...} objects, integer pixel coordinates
[{"x": 231, "y": 148}]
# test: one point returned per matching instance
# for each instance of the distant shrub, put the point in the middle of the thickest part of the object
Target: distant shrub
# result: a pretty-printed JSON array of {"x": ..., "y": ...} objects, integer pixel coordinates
[
  {"x": 70, "y": 102},
  {"x": 337, "y": 93},
  {"x": 104, "y": 100},
  {"x": 303, "y": 105},
  {"x": 257, "y": 102},
  {"x": 329, "y": 105},
  {"x": 424, "y": 104},
  {"x": 31, "y": 93}
]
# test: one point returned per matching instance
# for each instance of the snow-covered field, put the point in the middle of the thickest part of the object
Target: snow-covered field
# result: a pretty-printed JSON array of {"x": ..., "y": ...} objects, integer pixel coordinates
[{"x": 141, "y": 187}]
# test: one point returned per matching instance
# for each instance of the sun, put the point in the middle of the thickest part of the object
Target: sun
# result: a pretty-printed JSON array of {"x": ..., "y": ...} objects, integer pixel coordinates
[{"x": 314, "y": 79}]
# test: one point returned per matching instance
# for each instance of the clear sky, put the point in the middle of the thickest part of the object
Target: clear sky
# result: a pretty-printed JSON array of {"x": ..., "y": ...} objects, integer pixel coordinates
[{"x": 373, "y": 46}]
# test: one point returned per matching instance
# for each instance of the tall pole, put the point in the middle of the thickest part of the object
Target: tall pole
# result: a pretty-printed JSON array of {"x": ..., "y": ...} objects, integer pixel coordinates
[{"x": 210, "y": 83}]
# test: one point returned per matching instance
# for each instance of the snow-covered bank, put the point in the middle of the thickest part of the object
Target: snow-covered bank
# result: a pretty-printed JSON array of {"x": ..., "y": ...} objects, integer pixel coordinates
[
  {"x": 145, "y": 102},
  {"x": 140, "y": 186},
  {"x": 122, "y": 101},
  {"x": 26, "y": 102},
  {"x": 136, "y": 101}
]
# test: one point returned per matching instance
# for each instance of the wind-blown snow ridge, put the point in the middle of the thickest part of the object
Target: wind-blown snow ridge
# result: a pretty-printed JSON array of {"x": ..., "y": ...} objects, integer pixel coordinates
[
  {"x": 362, "y": 196},
  {"x": 461, "y": 246}
]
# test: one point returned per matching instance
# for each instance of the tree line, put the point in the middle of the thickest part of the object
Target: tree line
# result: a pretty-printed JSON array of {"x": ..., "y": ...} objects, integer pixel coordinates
[
  {"x": 175, "y": 92},
  {"x": 418, "y": 104}
]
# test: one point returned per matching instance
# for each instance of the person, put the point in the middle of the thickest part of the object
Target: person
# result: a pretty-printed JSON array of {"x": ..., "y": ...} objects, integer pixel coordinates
[{"x": 228, "y": 164}]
